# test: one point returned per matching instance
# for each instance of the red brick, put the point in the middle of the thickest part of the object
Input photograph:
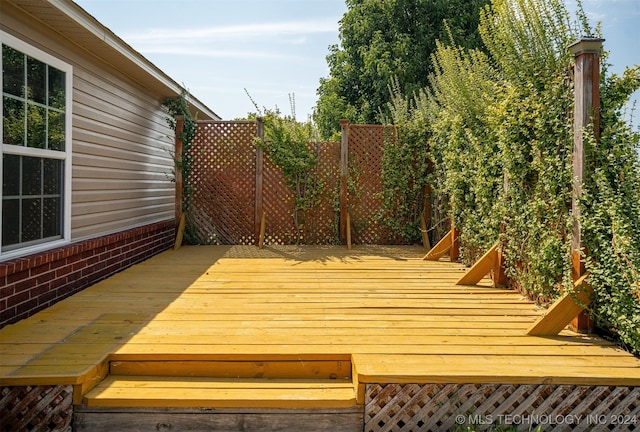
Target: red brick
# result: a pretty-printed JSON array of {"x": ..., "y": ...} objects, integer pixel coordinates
[
  {"x": 17, "y": 298},
  {"x": 46, "y": 277},
  {"x": 18, "y": 276},
  {"x": 39, "y": 290},
  {"x": 25, "y": 284},
  {"x": 7, "y": 316},
  {"x": 7, "y": 268},
  {"x": 79, "y": 265},
  {"x": 57, "y": 283},
  {"x": 26, "y": 309},
  {"x": 63, "y": 270},
  {"x": 40, "y": 269},
  {"x": 47, "y": 298}
]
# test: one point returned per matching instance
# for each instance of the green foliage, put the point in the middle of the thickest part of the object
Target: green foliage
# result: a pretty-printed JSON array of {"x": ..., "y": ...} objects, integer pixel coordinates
[
  {"x": 611, "y": 215},
  {"x": 467, "y": 173},
  {"x": 501, "y": 139},
  {"x": 180, "y": 107},
  {"x": 405, "y": 166},
  {"x": 380, "y": 40},
  {"x": 286, "y": 144}
]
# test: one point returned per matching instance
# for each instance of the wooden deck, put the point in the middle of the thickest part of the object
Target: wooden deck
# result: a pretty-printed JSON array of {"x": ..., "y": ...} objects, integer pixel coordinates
[{"x": 207, "y": 326}]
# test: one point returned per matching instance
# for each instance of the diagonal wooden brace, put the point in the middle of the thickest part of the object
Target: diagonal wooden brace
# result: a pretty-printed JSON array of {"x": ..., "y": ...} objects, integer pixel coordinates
[
  {"x": 482, "y": 267},
  {"x": 564, "y": 310},
  {"x": 441, "y": 248}
]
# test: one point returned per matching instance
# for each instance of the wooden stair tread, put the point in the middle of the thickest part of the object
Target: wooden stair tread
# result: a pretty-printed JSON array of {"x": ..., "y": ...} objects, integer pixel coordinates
[{"x": 211, "y": 392}]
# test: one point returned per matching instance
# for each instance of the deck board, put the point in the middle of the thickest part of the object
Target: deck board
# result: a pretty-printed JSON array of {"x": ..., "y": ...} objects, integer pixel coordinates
[{"x": 401, "y": 318}]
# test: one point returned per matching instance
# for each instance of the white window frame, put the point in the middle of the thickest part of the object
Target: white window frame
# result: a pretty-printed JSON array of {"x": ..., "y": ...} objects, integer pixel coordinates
[{"x": 65, "y": 156}]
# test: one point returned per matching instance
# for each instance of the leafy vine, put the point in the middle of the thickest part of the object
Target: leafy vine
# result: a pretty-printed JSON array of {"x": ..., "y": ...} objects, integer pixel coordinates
[
  {"x": 286, "y": 143},
  {"x": 180, "y": 107}
]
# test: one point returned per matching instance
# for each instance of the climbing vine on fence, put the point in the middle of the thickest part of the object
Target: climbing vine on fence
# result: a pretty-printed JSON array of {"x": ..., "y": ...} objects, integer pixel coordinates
[
  {"x": 285, "y": 142},
  {"x": 405, "y": 167},
  {"x": 611, "y": 214},
  {"x": 180, "y": 107}
]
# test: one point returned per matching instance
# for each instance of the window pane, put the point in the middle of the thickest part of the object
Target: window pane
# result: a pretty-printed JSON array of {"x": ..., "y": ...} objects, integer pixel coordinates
[
  {"x": 12, "y": 121},
  {"x": 31, "y": 212},
  {"x": 52, "y": 182},
  {"x": 31, "y": 176},
  {"x": 36, "y": 80},
  {"x": 56, "y": 88},
  {"x": 36, "y": 126},
  {"x": 52, "y": 217},
  {"x": 12, "y": 71},
  {"x": 10, "y": 175},
  {"x": 56, "y": 130},
  {"x": 10, "y": 222}
]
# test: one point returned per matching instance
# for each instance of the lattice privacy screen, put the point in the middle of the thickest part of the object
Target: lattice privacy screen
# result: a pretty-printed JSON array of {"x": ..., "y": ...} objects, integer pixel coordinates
[
  {"x": 223, "y": 183},
  {"x": 225, "y": 206}
]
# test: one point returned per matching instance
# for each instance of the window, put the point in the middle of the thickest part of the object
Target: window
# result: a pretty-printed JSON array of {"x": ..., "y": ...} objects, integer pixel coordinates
[{"x": 36, "y": 149}]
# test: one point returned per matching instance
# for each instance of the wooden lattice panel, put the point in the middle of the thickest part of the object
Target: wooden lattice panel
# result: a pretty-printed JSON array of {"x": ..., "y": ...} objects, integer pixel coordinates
[
  {"x": 36, "y": 408},
  {"x": 366, "y": 148},
  {"x": 222, "y": 208},
  {"x": 445, "y": 407},
  {"x": 317, "y": 225},
  {"x": 278, "y": 203},
  {"x": 321, "y": 222}
]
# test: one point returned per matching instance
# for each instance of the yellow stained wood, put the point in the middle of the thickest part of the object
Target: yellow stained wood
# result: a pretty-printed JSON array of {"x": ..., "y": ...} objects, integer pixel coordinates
[
  {"x": 441, "y": 248},
  {"x": 227, "y": 398},
  {"x": 481, "y": 268},
  {"x": 180, "y": 232},
  {"x": 238, "y": 368},
  {"x": 203, "y": 304},
  {"x": 563, "y": 311},
  {"x": 425, "y": 235},
  {"x": 482, "y": 369}
]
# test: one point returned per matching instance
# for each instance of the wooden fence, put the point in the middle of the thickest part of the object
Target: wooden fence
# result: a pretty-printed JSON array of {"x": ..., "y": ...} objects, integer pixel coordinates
[{"x": 233, "y": 184}]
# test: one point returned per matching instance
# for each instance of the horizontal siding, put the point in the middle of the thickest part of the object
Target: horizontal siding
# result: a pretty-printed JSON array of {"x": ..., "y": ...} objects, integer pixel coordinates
[{"x": 122, "y": 145}]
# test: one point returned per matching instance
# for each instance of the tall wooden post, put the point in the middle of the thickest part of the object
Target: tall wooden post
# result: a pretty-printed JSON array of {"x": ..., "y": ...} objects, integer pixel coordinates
[
  {"x": 178, "y": 169},
  {"x": 258, "y": 218},
  {"x": 344, "y": 188},
  {"x": 586, "y": 112}
]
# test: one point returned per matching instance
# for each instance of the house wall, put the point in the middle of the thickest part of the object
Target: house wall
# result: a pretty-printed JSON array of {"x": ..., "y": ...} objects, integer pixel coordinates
[
  {"x": 122, "y": 145},
  {"x": 121, "y": 168}
]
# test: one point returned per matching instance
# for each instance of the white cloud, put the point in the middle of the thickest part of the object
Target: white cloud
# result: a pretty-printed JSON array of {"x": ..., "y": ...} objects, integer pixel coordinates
[
  {"x": 235, "y": 33},
  {"x": 195, "y": 51}
]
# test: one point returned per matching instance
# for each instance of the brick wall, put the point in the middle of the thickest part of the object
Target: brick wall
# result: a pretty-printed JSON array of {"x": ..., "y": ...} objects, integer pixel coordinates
[{"x": 35, "y": 282}]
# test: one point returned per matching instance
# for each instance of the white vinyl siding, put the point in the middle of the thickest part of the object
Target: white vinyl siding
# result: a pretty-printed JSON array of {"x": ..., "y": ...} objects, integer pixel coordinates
[
  {"x": 122, "y": 146},
  {"x": 122, "y": 158}
]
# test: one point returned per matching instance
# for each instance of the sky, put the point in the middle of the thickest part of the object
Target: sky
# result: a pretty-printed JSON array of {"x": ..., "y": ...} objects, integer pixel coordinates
[{"x": 276, "y": 49}]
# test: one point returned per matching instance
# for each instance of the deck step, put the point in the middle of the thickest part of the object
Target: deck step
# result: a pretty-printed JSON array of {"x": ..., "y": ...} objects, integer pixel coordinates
[
  {"x": 211, "y": 392},
  {"x": 281, "y": 367}
]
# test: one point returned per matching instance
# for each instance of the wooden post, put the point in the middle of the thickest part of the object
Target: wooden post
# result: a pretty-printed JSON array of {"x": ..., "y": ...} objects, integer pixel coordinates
[
  {"x": 425, "y": 233},
  {"x": 344, "y": 189},
  {"x": 178, "y": 169},
  {"x": 259, "y": 211},
  {"x": 569, "y": 309},
  {"x": 348, "y": 230},
  {"x": 454, "y": 253},
  {"x": 263, "y": 225},
  {"x": 586, "y": 112}
]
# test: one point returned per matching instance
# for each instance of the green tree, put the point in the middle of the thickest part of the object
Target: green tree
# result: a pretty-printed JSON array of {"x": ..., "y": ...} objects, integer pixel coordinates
[{"x": 382, "y": 40}]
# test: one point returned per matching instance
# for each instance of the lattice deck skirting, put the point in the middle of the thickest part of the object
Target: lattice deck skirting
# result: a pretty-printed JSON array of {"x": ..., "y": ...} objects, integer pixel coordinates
[
  {"x": 36, "y": 408},
  {"x": 450, "y": 407}
]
